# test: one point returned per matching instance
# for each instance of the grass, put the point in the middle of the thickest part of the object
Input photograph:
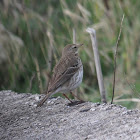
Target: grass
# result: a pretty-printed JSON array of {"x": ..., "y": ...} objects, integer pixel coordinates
[{"x": 33, "y": 34}]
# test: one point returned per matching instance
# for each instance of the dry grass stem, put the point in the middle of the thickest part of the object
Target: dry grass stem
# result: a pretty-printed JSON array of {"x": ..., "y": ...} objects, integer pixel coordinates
[
  {"x": 31, "y": 81},
  {"x": 38, "y": 76},
  {"x": 128, "y": 100},
  {"x": 115, "y": 57},
  {"x": 92, "y": 33},
  {"x": 74, "y": 36}
]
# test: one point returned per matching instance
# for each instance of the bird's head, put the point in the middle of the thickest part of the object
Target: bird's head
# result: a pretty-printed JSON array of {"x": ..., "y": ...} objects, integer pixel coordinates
[{"x": 71, "y": 49}]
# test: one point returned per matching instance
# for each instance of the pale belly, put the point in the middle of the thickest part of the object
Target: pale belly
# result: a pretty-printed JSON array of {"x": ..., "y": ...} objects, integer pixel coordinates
[
  {"x": 77, "y": 78},
  {"x": 74, "y": 82}
]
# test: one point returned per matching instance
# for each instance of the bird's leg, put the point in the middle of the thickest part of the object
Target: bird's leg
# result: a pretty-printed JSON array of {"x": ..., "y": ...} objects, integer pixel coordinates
[
  {"x": 76, "y": 96},
  {"x": 67, "y": 97}
]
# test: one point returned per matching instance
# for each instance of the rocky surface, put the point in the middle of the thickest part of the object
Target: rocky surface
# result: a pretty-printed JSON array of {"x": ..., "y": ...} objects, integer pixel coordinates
[{"x": 56, "y": 120}]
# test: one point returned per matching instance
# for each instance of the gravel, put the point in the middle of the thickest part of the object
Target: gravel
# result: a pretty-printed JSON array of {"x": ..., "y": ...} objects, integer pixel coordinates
[{"x": 57, "y": 120}]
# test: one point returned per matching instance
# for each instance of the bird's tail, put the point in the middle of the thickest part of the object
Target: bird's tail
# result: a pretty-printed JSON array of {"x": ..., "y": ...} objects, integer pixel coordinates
[{"x": 43, "y": 100}]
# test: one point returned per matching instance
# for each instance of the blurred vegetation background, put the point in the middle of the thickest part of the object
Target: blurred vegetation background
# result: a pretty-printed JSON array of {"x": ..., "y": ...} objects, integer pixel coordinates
[{"x": 33, "y": 34}]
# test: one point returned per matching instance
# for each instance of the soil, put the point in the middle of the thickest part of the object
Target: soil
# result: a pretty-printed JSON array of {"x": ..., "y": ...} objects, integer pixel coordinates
[{"x": 58, "y": 120}]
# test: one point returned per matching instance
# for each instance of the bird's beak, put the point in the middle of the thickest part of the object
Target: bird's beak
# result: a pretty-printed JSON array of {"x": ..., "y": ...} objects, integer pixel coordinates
[{"x": 79, "y": 45}]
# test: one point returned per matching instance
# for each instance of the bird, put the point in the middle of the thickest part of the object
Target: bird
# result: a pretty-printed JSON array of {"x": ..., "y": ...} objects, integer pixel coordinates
[{"x": 67, "y": 73}]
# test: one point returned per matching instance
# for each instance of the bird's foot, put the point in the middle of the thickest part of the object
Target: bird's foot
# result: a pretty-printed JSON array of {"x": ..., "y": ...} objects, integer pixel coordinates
[{"x": 73, "y": 103}]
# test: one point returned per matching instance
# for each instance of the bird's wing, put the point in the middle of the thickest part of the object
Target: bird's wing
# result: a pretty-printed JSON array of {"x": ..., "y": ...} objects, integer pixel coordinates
[{"x": 63, "y": 71}]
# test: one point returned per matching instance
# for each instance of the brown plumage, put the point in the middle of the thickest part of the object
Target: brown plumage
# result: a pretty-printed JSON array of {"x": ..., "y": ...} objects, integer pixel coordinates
[{"x": 67, "y": 74}]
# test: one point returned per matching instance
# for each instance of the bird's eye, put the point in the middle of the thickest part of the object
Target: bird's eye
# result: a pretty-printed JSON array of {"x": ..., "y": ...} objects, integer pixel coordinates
[{"x": 75, "y": 47}]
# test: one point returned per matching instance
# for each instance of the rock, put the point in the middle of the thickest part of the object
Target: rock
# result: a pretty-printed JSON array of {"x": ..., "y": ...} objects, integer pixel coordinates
[{"x": 55, "y": 120}]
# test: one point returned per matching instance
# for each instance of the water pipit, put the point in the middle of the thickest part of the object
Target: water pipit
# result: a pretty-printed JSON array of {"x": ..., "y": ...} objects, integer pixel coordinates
[{"x": 67, "y": 74}]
